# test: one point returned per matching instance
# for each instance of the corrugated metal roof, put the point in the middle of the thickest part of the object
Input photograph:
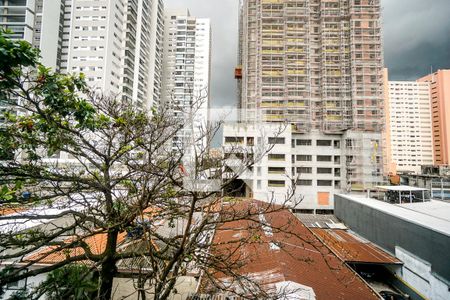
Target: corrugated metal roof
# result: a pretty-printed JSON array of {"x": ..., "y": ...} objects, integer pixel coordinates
[
  {"x": 319, "y": 221},
  {"x": 351, "y": 248},
  {"x": 299, "y": 256}
]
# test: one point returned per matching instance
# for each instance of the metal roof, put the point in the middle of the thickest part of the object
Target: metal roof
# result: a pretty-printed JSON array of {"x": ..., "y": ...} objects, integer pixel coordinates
[
  {"x": 353, "y": 249},
  {"x": 400, "y": 188},
  {"x": 320, "y": 221},
  {"x": 433, "y": 214}
]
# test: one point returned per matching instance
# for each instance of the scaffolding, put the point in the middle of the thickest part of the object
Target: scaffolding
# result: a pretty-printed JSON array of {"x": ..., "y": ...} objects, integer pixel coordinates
[
  {"x": 322, "y": 53},
  {"x": 316, "y": 64}
]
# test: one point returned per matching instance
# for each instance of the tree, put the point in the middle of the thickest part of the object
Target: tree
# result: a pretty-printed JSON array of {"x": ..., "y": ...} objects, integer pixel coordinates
[
  {"x": 87, "y": 167},
  {"x": 74, "y": 282}
]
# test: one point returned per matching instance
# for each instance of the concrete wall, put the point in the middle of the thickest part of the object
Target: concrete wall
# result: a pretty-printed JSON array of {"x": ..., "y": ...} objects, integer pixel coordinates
[{"x": 390, "y": 232}]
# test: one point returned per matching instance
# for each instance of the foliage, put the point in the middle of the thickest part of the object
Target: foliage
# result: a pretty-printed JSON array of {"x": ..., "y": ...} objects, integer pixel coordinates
[{"x": 72, "y": 282}]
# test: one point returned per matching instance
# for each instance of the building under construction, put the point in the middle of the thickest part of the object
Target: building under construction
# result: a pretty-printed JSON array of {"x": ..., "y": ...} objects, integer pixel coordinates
[{"x": 317, "y": 65}]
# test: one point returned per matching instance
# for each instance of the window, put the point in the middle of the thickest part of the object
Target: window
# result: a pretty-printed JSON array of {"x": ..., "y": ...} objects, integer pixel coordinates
[
  {"x": 276, "y": 170},
  {"x": 304, "y": 170},
  {"x": 323, "y": 143},
  {"x": 304, "y": 182},
  {"x": 303, "y": 142},
  {"x": 337, "y": 172},
  {"x": 234, "y": 139},
  {"x": 304, "y": 157},
  {"x": 278, "y": 157},
  {"x": 324, "y": 183},
  {"x": 324, "y": 170},
  {"x": 276, "y": 140},
  {"x": 276, "y": 183},
  {"x": 323, "y": 158}
]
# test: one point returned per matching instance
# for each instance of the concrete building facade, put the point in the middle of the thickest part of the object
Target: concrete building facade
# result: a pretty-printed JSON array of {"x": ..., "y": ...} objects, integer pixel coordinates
[
  {"x": 440, "y": 107},
  {"x": 313, "y": 165},
  {"x": 186, "y": 71},
  {"x": 408, "y": 123}
]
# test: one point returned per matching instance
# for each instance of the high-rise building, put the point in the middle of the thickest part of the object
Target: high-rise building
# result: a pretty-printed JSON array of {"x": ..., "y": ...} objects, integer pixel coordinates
[
  {"x": 117, "y": 44},
  {"x": 440, "y": 107},
  {"x": 186, "y": 74},
  {"x": 409, "y": 138},
  {"x": 317, "y": 65},
  {"x": 18, "y": 16},
  {"x": 27, "y": 20}
]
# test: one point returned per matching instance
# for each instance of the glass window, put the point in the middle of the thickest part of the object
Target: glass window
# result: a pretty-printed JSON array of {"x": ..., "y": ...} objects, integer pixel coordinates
[
  {"x": 304, "y": 157},
  {"x": 324, "y": 183},
  {"x": 323, "y": 158},
  {"x": 304, "y": 182},
  {"x": 303, "y": 142},
  {"x": 276, "y": 140},
  {"x": 323, "y": 142}
]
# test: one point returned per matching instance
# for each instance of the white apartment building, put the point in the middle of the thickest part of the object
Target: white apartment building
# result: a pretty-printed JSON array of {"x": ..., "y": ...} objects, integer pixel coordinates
[
  {"x": 19, "y": 17},
  {"x": 409, "y": 126},
  {"x": 186, "y": 73},
  {"x": 320, "y": 165},
  {"x": 117, "y": 44}
]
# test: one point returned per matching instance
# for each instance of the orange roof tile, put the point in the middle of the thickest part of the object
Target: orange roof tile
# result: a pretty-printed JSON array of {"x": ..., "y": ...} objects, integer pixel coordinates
[
  {"x": 96, "y": 243},
  {"x": 350, "y": 248},
  {"x": 300, "y": 258},
  {"x": 5, "y": 211}
]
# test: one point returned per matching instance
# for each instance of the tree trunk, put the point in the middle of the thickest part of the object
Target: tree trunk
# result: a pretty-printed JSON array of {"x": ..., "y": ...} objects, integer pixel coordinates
[
  {"x": 141, "y": 289},
  {"x": 108, "y": 267}
]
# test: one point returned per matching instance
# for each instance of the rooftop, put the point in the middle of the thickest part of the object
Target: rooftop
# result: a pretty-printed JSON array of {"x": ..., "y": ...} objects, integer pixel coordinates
[
  {"x": 320, "y": 221},
  {"x": 401, "y": 188},
  {"x": 291, "y": 256},
  {"x": 57, "y": 254},
  {"x": 353, "y": 249},
  {"x": 433, "y": 214}
]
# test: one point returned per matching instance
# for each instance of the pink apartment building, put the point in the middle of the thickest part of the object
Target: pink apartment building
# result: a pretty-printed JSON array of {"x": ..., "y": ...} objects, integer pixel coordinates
[{"x": 440, "y": 107}]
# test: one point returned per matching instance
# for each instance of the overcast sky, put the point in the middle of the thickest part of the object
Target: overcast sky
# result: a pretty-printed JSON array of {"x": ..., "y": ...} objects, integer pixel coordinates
[{"x": 416, "y": 37}]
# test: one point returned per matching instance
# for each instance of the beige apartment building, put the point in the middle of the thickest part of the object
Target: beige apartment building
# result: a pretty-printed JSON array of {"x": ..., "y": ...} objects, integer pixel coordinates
[
  {"x": 317, "y": 65},
  {"x": 409, "y": 137},
  {"x": 440, "y": 107}
]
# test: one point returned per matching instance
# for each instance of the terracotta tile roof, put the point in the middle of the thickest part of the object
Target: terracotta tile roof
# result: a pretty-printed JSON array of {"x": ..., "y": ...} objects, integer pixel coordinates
[
  {"x": 5, "y": 211},
  {"x": 96, "y": 243},
  {"x": 291, "y": 255},
  {"x": 351, "y": 248}
]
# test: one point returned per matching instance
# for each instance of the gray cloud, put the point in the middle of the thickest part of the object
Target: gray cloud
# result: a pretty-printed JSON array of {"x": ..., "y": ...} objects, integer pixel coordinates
[
  {"x": 416, "y": 36},
  {"x": 224, "y": 23}
]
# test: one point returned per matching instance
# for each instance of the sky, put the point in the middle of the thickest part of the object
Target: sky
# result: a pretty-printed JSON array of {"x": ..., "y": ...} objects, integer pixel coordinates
[{"x": 416, "y": 40}]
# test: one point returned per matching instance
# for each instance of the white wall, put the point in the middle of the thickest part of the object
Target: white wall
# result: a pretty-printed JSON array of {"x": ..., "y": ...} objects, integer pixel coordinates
[{"x": 418, "y": 274}]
